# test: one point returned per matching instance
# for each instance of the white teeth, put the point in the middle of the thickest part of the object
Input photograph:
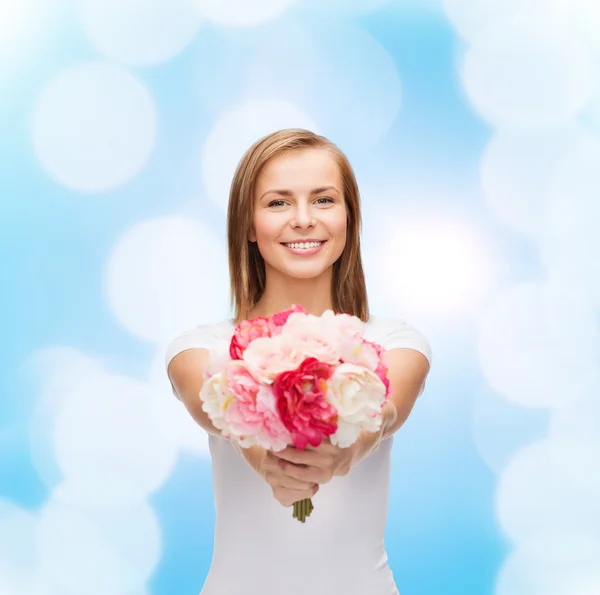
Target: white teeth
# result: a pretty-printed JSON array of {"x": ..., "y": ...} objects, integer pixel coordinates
[{"x": 304, "y": 245}]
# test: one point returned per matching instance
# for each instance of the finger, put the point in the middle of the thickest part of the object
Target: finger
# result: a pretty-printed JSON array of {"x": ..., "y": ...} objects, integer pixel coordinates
[
  {"x": 298, "y": 457},
  {"x": 289, "y": 496},
  {"x": 308, "y": 474},
  {"x": 291, "y": 483}
]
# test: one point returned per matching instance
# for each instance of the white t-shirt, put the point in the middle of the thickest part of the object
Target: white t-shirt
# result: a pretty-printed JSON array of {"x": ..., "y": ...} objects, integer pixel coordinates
[{"x": 260, "y": 548}]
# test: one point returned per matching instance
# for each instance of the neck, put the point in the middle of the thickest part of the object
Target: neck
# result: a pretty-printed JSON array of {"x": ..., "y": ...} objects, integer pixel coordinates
[{"x": 313, "y": 294}]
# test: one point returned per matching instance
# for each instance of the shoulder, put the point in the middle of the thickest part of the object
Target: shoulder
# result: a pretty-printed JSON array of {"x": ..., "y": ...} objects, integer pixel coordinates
[
  {"x": 393, "y": 333},
  {"x": 203, "y": 336}
]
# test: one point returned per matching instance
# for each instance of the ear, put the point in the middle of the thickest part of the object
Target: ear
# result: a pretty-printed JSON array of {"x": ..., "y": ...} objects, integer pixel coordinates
[{"x": 251, "y": 236}]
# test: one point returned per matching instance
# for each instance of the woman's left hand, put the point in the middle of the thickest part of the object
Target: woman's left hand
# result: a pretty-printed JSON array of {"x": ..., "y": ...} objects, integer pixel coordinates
[{"x": 317, "y": 464}]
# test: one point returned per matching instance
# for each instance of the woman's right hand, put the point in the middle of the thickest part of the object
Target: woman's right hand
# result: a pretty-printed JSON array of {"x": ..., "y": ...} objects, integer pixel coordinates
[{"x": 286, "y": 489}]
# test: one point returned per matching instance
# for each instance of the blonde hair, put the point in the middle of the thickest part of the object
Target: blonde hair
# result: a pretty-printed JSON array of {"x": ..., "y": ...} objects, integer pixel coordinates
[{"x": 246, "y": 265}]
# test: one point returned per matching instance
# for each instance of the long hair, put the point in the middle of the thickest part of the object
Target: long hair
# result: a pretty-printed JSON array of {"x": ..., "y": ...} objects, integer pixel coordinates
[{"x": 246, "y": 266}]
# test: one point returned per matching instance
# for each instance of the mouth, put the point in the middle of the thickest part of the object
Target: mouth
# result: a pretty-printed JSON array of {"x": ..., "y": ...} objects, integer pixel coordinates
[
  {"x": 303, "y": 245},
  {"x": 304, "y": 248}
]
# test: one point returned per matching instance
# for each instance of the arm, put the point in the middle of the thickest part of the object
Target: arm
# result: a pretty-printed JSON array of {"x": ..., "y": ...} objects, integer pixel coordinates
[
  {"x": 185, "y": 372},
  {"x": 407, "y": 372}
]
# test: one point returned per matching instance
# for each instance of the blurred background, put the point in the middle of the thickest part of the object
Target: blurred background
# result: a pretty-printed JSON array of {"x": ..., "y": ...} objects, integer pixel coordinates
[{"x": 474, "y": 130}]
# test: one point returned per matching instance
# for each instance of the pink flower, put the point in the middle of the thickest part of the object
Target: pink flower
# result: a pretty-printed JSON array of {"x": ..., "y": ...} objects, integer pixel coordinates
[
  {"x": 345, "y": 324},
  {"x": 267, "y": 357},
  {"x": 312, "y": 338},
  {"x": 301, "y": 403},
  {"x": 382, "y": 369},
  {"x": 273, "y": 435},
  {"x": 242, "y": 414},
  {"x": 261, "y": 326},
  {"x": 252, "y": 415},
  {"x": 360, "y": 352},
  {"x": 280, "y": 318},
  {"x": 357, "y": 351},
  {"x": 245, "y": 332}
]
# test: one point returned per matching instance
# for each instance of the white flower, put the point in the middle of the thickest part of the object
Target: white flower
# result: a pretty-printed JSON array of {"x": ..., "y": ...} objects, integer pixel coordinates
[
  {"x": 216, "y": 397},
  {"x": 358, "y": 395}
]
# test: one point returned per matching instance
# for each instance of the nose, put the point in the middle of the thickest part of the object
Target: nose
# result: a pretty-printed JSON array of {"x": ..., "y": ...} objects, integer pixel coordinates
[{"x": 302, "y": 217}]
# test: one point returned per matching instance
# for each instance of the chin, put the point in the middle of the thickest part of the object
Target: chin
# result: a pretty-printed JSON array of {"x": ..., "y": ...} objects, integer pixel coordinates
[{"x": 302, "y": 273}]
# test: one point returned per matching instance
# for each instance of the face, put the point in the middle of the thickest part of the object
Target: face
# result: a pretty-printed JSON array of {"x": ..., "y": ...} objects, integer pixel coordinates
[{"x": 299, "y": 197}]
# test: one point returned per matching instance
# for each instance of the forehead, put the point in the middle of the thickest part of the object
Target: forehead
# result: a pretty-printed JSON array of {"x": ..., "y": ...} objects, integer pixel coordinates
[{"x": 300, "y": 168}]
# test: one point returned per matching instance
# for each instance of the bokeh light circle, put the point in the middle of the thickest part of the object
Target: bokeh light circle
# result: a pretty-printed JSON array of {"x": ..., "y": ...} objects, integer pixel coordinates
[
  {"x": 527, "y": 78},
  {"x": 552, "y": 563},
  {"x": 538, "y": 344},
  {"x": 119, "y": 548},
  {"x": 235, "y": 131},
  {"x": 536, "y": 494},
  {"x": 167, "y": 275},
  {"x": 94, "y": 126},
  {"x": 140, "y": 33},
  {"x": 242, "y": 13},
  {"x": 108, "y": 446}
]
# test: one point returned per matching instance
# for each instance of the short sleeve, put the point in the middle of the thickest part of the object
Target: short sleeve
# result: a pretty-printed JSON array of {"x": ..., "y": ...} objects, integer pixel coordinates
[
  {"x": 393, "y": 333},
  {"x": 200, "y": 337}
]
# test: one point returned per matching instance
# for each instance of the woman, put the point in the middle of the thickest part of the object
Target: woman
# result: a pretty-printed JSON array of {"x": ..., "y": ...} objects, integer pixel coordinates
[{"x": 293, "y": 232}]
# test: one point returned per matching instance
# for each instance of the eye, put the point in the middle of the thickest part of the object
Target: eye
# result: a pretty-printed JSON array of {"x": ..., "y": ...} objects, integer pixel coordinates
[
  {"x": 325, "y": 198},
  {"x": 276, "y": 203}
]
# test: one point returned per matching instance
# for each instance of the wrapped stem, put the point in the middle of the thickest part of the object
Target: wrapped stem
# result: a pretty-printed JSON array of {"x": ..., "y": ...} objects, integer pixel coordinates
[{"x": 302, "y": 509}]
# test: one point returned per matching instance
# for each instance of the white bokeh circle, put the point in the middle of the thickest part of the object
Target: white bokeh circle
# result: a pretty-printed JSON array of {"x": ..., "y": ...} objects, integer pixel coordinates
[
  {"x": 344, "y": 8},
  {"x": 501, "y": 428},
  {"x": 552, "y": 563},
  {"x": 58, "y": 372},
  {"x": 538, "y": 344},
  {"x": 235, "y": 131},
  {"x": 583, "y": 18},
  {"x": 18, "y": 553},
  {"x": 244, "y": 65},
  {"x": 337, "y": 72},
  {"x": 571, "y": 243},
  {"x": 342, "y": 76},
  {"x": 242, "y": 13},
  {"x": 438, "y": 266},
  {"x": 579, "y": 420},
  {"x": 527, "y": 78},
  {"x": 167, "y": 275},
  {"x": 536, "y": 494},
  {"x": 137, "y": 32},
  {"x": 516, "y": 174},
  {"x": 18, "y": 17},
  {"x": 472, "y": 17},
  {"x": 94, "y": 126},
  {"x": 577, "y": 427},
  {"x": 357, "y": 92},
  {"x": 108, "y": 446},
  {"x": 119, "y": 548}
]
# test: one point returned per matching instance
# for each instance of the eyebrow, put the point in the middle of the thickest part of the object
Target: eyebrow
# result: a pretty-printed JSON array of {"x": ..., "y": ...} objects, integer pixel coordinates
[{"x": 284, "y": 192}]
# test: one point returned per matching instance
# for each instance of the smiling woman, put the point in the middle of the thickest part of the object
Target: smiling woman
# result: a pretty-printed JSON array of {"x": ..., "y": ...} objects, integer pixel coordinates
[
  {"x": 303, "y": 221},
  {"x": 295, "y": 186},
  {"x": 293, "y": 230}
]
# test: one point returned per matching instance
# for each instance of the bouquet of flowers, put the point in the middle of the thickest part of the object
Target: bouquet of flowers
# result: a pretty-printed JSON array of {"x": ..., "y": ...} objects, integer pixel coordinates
[{"x": 295, "y": 379}]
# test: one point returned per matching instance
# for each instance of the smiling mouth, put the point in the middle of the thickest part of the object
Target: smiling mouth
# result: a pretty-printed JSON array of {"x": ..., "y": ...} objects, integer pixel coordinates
[{"x": 303, "y": 245}]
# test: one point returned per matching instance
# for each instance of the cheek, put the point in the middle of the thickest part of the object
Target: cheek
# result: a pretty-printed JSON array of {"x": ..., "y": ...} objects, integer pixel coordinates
[
  {"x": 338, "y": 225},
  {"x": 266, "y": 229}
]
